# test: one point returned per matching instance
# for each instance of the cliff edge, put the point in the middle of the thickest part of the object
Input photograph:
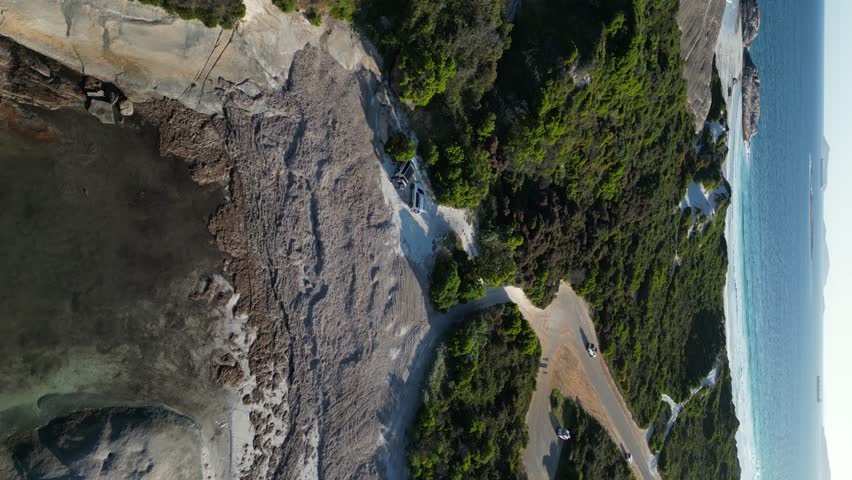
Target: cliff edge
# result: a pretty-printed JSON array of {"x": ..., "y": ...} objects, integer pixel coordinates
[
  {"x": 751, "y": 96},
  {"x": 699, "y": 22},
  {"x": 287, "y": 119}
]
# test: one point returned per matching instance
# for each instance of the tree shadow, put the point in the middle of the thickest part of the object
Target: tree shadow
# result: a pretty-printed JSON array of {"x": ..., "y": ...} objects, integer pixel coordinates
[
  {"x": 584, "y": 337},
  {"x": 550, "y": 460}
]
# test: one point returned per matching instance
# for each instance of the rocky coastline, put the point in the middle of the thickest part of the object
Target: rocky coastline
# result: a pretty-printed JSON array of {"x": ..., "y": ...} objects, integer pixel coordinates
[
  {"x": 750, "y": 18},
  {"x": 323, "y": 335},
  {"x": 750, "y": 14},
  {"x": 751, "y": 96}
]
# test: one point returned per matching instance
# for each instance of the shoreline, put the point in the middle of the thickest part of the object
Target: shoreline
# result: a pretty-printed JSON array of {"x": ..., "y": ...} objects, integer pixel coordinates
[{"x": 729, "y": 51}]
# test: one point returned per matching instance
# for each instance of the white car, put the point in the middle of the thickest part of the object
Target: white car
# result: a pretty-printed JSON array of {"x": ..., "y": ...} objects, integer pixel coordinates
[
  {"x": 563, "y": 433},
  {"x": 628, "y": 457},
  {"x": 418, "y": 198},
  {"x": 592, "y": 349}
]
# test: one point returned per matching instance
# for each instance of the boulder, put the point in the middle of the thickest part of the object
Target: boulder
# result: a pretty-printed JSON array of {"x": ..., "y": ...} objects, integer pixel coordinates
[
  {"x": 751, "y": 96},
  {"x": 125, "y": 107},
  {"x": 103, "y": 111},
  {"x": 41, "y": 68},
  {"x": 750, "y": 15}
]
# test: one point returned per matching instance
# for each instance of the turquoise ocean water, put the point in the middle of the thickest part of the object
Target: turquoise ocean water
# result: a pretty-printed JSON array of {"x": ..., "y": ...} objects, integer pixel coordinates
[{"x": 777, "y": 256}]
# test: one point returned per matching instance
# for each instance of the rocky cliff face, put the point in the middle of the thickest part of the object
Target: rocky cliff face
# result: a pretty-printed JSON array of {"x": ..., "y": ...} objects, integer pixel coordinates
[
  {"x": 751, "y": 96},
  {"x": 335, "y": 312},
  {"x": 327, "y": 313},
  {"x": 750, "y": 15},
  {"x": 26, "y": 77},
  {"x": 150, "y": 54},
  {"x": 699, "y": 22}
]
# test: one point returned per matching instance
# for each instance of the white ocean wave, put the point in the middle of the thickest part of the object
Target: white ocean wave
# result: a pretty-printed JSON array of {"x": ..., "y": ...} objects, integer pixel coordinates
[{"x": 728, "y": 54}]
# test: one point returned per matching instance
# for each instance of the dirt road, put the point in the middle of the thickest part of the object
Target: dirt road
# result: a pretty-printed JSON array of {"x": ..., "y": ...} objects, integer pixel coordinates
[{"x": 563, "y": 329}]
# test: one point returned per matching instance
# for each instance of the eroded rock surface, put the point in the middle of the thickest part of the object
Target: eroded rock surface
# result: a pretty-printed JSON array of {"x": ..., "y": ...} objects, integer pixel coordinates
[
  {"x": 32, "y": 79},
  {"x": 125, "y": 443},
  {"x": 699, "y": 22},
  {"x": 286, "y": 123},
  {"x": 751, "y": 96},
  {"x": 149, "y": 53},
  {"x": 334, "y": 310}
]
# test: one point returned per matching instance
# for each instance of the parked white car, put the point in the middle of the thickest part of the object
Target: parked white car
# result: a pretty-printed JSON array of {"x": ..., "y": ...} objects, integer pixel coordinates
[
  {"x": 563, "y": 433},
  {"x": 592, "y": 349}
]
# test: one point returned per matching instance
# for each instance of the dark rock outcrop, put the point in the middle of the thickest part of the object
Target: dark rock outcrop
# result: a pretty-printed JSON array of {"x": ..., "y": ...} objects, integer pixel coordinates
[
  {"x": 699, "y": 22},
  {"x": 750, "y": 15},
  {"x": 751, "y": 96},
  {"x": 110, "y": 443},
  {"x": 29, "y": 78}
]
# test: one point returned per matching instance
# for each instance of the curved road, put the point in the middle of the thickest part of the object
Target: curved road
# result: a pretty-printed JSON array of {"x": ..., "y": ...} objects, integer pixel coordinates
[
  {"x": 563, "y": 329},
  {"x": 566, "y": 325}
]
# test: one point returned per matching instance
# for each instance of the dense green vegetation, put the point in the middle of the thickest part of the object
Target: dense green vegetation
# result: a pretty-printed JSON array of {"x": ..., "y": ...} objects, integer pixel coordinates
[
  {"x": 314, "y": 16},
  {"x": 659, "y": 428},
  {"x": 455, "y": 278},
  {"x": 444, "y": 287},
  {"x": 575, "y": 145},
  {"x": 400, "y": 147},
  {"x": 444, "y": 55},
  {"x": 286, "y": 5},
  {"x": 471, "y": 424},
  {"x": 593, "y": 172},
  {"x": 590, "y": 453},
  {"x": 701, "y": 443},
  {"x": 223, "y": 13},
  {"x": 572, "y": 140},
  {"x": 314, "y": 9}
]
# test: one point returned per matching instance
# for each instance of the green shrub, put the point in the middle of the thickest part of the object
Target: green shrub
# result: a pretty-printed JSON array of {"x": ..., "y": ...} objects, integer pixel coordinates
[
  {"x": 444, "y": 287},
  {"x": 462, "y": 176},
  {"x": 424, "y": 75},
  {"x": 209, "y": 12},
  {"x": 455, "y": 279},
  {"x": 286, "y": 5},
  {"x": 343, "y": 9},
  {"x": 496, "y": 261},
  {"x": 314, "y": 16},
  {"x": 400, "y": 147},
  {"x": 470, "y": 286},
  {"x": 429, "y": 152}
]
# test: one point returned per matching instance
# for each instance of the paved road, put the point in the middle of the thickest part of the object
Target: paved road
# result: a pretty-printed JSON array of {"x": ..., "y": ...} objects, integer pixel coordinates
[
  {"x": 566, "y": 324},
  {"x": 563, "y": 330}
]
